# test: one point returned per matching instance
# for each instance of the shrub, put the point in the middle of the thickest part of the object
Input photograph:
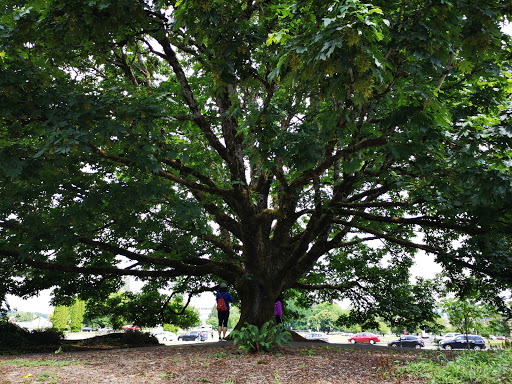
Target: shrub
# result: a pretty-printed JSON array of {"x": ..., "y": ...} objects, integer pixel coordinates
[
  {"x": 467, "y": 367},
  {"x": 138, "y": 338},
  {"x": 13, "y": 335},
  {"x": 16, "y": 338},
  {"x": 46, "y": 337},
  {"x": 252, "y": 339}
]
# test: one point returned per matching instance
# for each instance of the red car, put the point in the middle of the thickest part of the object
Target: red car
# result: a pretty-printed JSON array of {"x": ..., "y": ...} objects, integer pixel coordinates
[
  {"x": 364, "y": 337},
  {"x": 130, "y": 328}
]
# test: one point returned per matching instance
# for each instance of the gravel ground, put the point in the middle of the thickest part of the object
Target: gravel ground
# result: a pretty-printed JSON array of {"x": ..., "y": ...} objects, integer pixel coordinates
[{"x": 209, "y": 363}]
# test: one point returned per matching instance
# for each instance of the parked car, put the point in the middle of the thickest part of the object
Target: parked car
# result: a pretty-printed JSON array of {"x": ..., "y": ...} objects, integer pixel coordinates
[
  {"x": 464, "y": 341},
  {"x": 364, "y": 337},
  {"x": 165, "y": 336},
  {"x": 87, "y": 329},
  {"x": 317, "y": 336},
  {"x": 130, "y": 327},
  {"x": 446, "y": 336},
  {"x": 193, "y": 336},
  {"x": 407, "y": 341},
  {"x": 501, "y": 338}
]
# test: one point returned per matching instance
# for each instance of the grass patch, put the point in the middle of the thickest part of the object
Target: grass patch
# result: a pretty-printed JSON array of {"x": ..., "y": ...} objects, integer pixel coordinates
[
  {"x": 49, "y": 378},
  {"x": 482, "y": 367},
  {"x": 19, "y": 363}
]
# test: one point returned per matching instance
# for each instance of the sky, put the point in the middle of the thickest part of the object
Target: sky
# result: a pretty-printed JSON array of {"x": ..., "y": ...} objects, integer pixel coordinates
[{"x": 424, "y": 267}]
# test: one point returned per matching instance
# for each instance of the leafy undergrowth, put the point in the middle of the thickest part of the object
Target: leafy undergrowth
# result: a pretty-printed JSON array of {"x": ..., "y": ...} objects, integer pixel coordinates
[
  {"x": 14, "y": 339},
  {"x": 476, "y": 367}
]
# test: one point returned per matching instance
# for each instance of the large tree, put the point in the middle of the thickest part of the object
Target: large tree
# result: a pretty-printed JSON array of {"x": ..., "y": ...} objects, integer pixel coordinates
[{"x": 269, "y": 144}]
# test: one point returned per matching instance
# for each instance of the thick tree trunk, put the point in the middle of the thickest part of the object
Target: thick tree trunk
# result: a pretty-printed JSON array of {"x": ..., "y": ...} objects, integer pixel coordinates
[{"x": 257, "y": 302}]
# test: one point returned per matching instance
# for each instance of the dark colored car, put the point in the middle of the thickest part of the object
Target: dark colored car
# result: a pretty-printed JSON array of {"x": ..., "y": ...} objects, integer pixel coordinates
[
  {"x": 407, "y": 341},
  {"x": 364, "y": 337},
  {"x": 463, "y": 342},
  {"x": 193, "y": 336},
  {"x": 87, "y": 329}
]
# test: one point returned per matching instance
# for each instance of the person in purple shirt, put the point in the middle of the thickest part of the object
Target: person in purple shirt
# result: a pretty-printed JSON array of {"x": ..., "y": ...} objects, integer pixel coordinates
[
  {"x": 223, "y": 315},
  {"x": 278, "y": 309}
]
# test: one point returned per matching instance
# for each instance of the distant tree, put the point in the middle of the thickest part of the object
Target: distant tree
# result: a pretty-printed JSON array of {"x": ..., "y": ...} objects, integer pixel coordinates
[
  {"x": 97, "y": 321},
  {"x": 382, "y": 327},
  {"x": 24, "y": 316},
  {"x": 147, "y": 308},
  {"x": 171, "y": 328},
  {"x": 499, "y": 326},
  {"x": 212, "y": 318},
  {"x": 60, "y": 317},
  {"x": 76, "y": 314},
  {"x": 436, "y": 327},
  {"x": 234, "y": 317},
  {"x": 324, "y": 317},
  {"x": 466, "y": 315}
]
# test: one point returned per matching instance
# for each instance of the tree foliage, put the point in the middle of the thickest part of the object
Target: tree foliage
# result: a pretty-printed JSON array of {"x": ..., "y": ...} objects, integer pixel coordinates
[
  {"x": 23, "y": 316},
  {"x": 313, "y": 145},
  {"x": 60, "y": 318},
  {"x": 467, "y": 315},
  {"x": 234, "y": 317},
  {"x": 145, "y": 309},
  {"x": 76, "y": 315}
]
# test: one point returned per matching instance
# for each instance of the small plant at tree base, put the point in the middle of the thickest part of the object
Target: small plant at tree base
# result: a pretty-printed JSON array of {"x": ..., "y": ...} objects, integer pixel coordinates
[
  {"x": 48, "y": 378},
  {"x": 252, "y": 339},
  {"x": 307, "y": 351},
  {"x": 168, "y": 375},
  {"x": 276, "y": 377}
]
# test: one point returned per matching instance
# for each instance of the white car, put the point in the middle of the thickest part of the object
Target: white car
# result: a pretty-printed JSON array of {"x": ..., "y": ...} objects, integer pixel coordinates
[
  {"x": 317, "y": 336},
  {"x": 447, "y": 336},
  {"x": 165, "y": 336}
]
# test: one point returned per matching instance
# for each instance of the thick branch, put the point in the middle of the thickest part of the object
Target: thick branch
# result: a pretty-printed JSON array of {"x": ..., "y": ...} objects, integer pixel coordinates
[
  {"x": 316, "y": 287},
  {"x": 423, "y": 221},
  {"x": 188, "y": 95},
  {"x": 390, "y": 238}
]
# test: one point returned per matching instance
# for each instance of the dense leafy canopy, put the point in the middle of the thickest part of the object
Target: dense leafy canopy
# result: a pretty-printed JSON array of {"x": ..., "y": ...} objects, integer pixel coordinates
[{"x": 314, "y": 145}]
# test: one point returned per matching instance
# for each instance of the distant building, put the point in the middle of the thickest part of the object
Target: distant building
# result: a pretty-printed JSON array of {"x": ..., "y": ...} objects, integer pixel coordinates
[{"x": 39, "y": 323}]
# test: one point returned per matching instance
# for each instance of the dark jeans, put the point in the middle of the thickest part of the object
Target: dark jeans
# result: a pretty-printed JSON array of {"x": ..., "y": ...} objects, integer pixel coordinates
[{"x": 223, "y": 318}]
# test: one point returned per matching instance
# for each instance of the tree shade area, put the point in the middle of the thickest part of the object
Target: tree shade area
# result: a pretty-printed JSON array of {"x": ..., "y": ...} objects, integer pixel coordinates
[{"x": 307, "y": 147}]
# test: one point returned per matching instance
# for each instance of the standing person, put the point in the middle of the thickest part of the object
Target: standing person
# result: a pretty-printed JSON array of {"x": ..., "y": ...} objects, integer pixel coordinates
[
  {"x": 223, "y": 299},
  {"x": 278, "y": 309}
]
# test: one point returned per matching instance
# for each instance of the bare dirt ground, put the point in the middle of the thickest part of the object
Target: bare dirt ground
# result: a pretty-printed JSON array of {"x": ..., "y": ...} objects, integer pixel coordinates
[{"x": 218, "y": 363}]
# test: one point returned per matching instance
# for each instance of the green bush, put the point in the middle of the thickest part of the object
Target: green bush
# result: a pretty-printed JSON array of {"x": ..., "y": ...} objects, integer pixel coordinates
[
  {"x": 16, "y": 338},
  {"x": 13, "y": 335},
  {"x": 252, "y": 339},
  {"x": 138, "y": 338},
  {"x": 46, "y": 337},
  {"x": 467, "y": 367}
]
